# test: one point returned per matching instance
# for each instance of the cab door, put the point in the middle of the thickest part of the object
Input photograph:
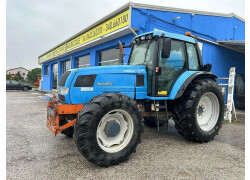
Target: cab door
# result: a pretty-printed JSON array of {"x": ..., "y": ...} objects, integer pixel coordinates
[{"x": 170, "y": 68}]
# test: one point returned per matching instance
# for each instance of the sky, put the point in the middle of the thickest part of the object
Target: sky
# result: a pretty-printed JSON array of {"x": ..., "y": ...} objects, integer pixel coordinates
[{"x": 34, "y": 26}]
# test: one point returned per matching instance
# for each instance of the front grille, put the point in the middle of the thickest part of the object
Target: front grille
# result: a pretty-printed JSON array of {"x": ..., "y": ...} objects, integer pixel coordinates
[
  {"x": 85, "y": 81},
  {"x": 61, "y": 97},
  {"x": 64, "y": 78}
]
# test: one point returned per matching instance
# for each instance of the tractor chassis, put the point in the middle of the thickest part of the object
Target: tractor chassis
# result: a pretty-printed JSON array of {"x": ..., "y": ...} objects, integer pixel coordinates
[{"x": 56, "y": 111}]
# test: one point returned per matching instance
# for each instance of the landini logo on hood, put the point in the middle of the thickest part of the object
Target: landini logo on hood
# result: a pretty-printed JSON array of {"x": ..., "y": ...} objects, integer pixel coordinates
[{"x": 105, "y": 84}]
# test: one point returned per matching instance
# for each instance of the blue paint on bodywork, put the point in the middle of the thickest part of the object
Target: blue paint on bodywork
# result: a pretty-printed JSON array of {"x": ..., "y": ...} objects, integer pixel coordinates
[
  {"x": 183, "y": 77},
  {"x": 118, "y": 79}
]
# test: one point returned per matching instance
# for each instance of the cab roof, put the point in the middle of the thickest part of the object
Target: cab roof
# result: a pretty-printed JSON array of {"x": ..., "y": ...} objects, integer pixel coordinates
[{"x": 170, "y": 35}]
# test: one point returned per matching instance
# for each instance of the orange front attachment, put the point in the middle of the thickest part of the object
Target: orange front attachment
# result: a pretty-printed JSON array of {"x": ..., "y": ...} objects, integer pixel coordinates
[{"x": 57, "y": 112}]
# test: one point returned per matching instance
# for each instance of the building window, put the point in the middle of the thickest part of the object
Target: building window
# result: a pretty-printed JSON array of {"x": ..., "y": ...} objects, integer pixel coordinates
[
  {"x": 24, "y": 74},
  {"x": 66, "y": 65},
  {"x": 193, "y": 62},
  {"x": 109, "y": 57},
  {"x": 9, "y": 72},
  {"x": 46, "y": 70},
  {"x": 83, "y": 61}
]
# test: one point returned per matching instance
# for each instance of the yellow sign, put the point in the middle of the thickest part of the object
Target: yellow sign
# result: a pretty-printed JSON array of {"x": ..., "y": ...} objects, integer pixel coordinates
[
  {"x": 46, "y": 56},
  {"x": 60, "y": 50},
  {"x": 109, "y": 26},
  {"x": 162, "y": 92}
]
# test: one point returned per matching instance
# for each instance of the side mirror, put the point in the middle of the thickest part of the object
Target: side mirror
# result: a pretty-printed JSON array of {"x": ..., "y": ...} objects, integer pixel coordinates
[{"x": 166, "y": 48}]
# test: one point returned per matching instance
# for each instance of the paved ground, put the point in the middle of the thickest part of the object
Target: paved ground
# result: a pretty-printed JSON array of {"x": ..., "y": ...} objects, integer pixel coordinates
[{"x": 33, "y": 153}]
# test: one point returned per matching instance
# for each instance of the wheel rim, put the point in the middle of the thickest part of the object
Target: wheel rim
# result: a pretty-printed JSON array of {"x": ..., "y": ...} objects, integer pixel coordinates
[
  {"x": 207, "y": 112},
  {"x": 25, "y": 89},
  {"x": 114, "y": 142}
]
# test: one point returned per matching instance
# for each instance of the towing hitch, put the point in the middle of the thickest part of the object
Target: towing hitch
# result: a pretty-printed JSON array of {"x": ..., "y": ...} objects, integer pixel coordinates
[{"x": 57, "y": 112}]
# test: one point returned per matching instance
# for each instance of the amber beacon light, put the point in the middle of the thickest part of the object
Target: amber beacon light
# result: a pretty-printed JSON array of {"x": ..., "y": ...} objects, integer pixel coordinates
[{"x": 188, "y": 34}]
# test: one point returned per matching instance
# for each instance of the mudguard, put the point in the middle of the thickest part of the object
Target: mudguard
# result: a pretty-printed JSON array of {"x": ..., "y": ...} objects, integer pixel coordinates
[{"x": 199, "y": 74}]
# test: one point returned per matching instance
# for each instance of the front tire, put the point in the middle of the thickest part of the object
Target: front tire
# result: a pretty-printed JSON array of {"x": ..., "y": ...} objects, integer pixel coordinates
[
  {"x": 25, "y": 88},
  {"x": 199, "y": 113},
  {"x": 109, "y": 129}
]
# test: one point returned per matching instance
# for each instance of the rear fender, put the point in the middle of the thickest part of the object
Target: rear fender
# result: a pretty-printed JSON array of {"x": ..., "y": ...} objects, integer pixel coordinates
[{"x": 192, "y": 77}]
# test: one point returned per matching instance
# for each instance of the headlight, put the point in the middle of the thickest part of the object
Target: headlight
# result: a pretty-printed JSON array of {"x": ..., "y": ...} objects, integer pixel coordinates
[{"x": 64, "y": 91}]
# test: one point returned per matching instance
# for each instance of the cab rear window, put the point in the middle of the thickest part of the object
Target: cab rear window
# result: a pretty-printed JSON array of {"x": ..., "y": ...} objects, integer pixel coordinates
[{"x": 64, "y": 78}]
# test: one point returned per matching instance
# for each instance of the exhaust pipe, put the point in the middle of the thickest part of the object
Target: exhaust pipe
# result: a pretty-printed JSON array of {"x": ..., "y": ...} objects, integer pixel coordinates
[{"x": 121, "y": 54}]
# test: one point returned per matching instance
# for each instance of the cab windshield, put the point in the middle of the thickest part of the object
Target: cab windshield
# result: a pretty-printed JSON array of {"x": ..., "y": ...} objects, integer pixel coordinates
[{"x": 142, "y": 53}]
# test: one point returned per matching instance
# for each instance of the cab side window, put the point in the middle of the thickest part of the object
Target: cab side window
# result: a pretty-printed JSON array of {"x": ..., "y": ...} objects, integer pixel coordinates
[
  {"x": 171, "y": 67},
  {"x": 193, "y": 62}
]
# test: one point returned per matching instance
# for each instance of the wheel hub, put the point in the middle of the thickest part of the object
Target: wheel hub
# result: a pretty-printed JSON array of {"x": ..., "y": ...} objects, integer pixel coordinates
[
  {"x": 207, "y": 111},
  {"x": 115, "y": 131},
  {"x": 112, "y": 129},
  {"x": 200, "y": 110}
]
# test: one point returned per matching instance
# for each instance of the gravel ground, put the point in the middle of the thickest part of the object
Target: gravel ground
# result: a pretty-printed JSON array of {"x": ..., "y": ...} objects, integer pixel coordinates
[{"x": 34, "y": 153}]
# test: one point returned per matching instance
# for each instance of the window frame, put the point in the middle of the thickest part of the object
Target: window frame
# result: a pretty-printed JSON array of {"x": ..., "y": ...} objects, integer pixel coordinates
[
  {"x": 77, "y": 60},
  {"x": 198, "y": 57},
  {"x": 107, "y": 49},
  {"x": 44, "y": 70},
  {"x": 64, "y": 63}
]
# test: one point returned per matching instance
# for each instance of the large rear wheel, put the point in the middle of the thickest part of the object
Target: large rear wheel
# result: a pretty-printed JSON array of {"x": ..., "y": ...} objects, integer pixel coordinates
[
  {"x": 108, "y": 129},
  {"x": 199, "y": 113}
]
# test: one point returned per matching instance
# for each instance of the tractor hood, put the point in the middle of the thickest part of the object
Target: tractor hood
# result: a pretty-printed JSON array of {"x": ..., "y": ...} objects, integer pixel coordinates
[{"x": 85, "y": 83}]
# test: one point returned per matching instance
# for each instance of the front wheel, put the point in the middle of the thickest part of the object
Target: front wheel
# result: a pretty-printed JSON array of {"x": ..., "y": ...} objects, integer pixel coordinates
[
  {"x": 200, "y": 111},
  {"x": 25, "y": 88},
  {"x": 108, "y": 129}
]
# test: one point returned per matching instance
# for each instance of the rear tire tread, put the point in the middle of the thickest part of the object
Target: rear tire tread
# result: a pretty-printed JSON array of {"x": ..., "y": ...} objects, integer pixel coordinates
[{"x": 185, "y": 112}]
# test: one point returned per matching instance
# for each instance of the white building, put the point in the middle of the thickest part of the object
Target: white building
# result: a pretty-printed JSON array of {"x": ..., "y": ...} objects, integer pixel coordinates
[{"x": 22, "y": 71}]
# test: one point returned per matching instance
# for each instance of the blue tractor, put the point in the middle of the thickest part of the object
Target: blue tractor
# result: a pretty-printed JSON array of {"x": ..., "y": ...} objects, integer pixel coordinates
[{"x": 104, "y": 107}]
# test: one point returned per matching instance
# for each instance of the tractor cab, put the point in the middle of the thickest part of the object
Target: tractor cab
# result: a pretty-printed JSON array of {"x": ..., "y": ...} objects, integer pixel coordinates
[{"x": 166, "y": 56}]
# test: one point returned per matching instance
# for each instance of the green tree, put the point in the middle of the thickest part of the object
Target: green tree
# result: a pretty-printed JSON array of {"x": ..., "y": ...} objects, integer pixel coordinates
[
  {"x": 8, "y": 76},
  {"x": 19, "y": 77},
  {"x": 33, "y": 74}
]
